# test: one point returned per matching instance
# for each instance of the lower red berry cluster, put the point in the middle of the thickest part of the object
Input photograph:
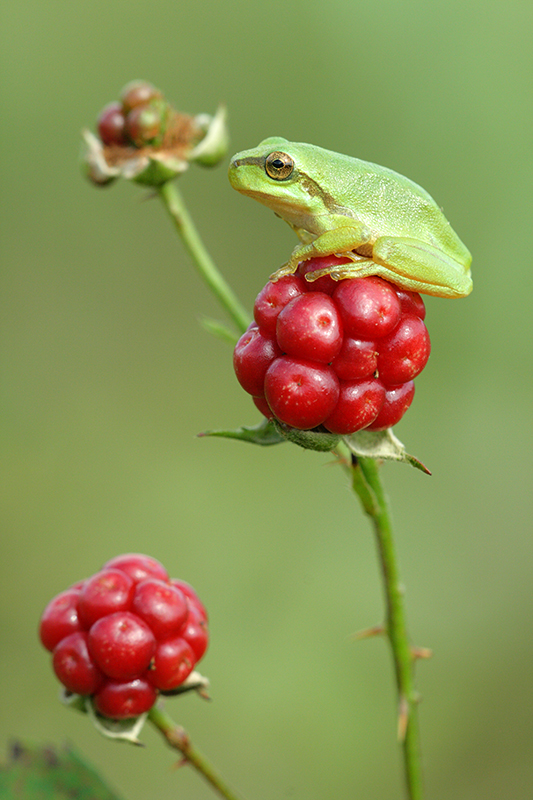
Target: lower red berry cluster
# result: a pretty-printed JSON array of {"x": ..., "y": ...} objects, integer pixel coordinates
[
  {"x": 125, "y": 634},
  {"x": 341, "y": 354}
]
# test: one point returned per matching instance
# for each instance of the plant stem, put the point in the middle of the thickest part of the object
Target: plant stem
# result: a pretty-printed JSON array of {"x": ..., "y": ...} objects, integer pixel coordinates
[
  {"x": 178, "y": 738},
  {"x": 367, "y": 484},
  {"x": 205, "y": 265}
]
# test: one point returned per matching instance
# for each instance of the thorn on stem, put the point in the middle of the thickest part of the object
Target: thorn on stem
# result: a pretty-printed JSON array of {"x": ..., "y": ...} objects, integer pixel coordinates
[
  {"x": 403, "y": 717},
  {"x": 367, "y": 633},
  {"x": 421, "y": 652},
  {"x": 338, "y": 459}
]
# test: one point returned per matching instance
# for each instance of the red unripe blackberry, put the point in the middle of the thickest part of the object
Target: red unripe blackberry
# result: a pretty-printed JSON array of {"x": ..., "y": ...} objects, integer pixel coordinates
[
  {"x": 122, "y": 645},
  {"x": 60, "y": 618},
  {"x": 162, "y": 606},
  {"x": 191, "y": 596},
  {"x": 125, "y": 699},
  {"x": 301, "y": 393},
  {"x": 195, "y": 632},
  {"x": 262, "y": 406},
  {"x": 359, "y": 404},
  {"x": 397, "y": 401},
  {"x": 336, "y": 353},
  {"x": 326, "y": 283},
  {"x": 369, "y": 307},
  {"x": 273, "y": 297},
  {"x": 411, "y": 303},
  {"x": 357, "y": 359},
  {"x": 403, "y": 354},
  {"x": 138, "y": 566},
  {"x": 75, "y": 667},
  {"x": 309, "y": 327},
  {"x": 125, "y": 633},
  {"x": 104, "y": 593},
  {"x": 173, "y": 662},
  {"x": 253, "y": 354}
]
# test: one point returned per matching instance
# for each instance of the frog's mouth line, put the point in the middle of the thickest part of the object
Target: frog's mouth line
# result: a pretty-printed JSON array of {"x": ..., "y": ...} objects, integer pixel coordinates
[{"x": 241, "y": 162}]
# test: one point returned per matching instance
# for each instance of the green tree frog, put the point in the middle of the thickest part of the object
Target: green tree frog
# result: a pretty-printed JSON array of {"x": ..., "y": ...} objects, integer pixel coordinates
[{"x": 384, "y": 223}]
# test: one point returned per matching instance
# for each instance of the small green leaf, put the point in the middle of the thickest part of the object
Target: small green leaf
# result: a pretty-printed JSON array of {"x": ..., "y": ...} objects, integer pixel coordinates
[
  {"x": 263, "y": 434},
  {"x": 45, "y": 773},
  {"x": 220, "y": 330},
  {"x": 381, "y": 445}
]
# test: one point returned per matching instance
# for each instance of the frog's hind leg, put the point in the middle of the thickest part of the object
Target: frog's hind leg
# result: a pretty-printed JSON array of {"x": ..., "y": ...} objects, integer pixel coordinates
[{"x": 420, "y": 267}]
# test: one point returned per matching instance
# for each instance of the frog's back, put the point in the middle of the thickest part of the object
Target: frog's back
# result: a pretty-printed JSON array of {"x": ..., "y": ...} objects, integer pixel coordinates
[{"x": 388, "y": 203}]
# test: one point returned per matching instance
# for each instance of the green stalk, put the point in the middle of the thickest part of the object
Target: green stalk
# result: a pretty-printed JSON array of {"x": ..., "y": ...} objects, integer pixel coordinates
[
  {"x": 366, "y": 483},
  {"x": 178, "y": 738},
  {"x": 203, "y": 262}
]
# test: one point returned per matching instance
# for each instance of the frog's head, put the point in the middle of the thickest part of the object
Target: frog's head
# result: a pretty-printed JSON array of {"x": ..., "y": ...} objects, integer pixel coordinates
[{"x": 286, "y": 177}]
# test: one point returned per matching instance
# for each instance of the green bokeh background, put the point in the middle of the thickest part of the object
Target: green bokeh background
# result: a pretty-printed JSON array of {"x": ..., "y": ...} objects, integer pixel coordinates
[{"x": 107, "y": 377}]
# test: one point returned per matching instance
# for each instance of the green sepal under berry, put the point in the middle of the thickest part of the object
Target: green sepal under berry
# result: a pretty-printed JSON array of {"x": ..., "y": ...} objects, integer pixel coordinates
[
  {"x": 212, "y": 148},
  {"x": 274, "y": 432},
  {"x": 158, "y": 170},
  {"x": 128, "y": 730},
  {"x": 124, "y": 730},
  {"x": 321, "y": 441},
  {"x": 195, "y": 682},
  {"x": 382, "y": 445},
  {"x": 263, "y": 434}
]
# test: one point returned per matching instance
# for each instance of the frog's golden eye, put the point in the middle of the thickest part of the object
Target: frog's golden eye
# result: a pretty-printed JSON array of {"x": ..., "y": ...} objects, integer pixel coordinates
[{"x": 279, "y": 165}]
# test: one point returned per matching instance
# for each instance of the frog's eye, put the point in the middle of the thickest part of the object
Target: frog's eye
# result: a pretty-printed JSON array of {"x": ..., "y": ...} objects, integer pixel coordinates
[{"x": 279, "y": 165}]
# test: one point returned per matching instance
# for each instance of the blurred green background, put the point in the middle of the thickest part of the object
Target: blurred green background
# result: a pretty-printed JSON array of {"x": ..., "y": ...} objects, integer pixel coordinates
[{"x": 107, "y": 377}]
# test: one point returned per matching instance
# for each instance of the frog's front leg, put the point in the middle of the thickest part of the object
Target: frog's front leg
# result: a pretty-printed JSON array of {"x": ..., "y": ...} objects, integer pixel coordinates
[
  {"x": 339, "y": 241},
  {"x": 411, "y": 264}
]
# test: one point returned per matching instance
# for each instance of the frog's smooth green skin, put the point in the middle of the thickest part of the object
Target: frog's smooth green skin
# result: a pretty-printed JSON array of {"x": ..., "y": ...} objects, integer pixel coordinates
[{"x": 384, "y": 223}]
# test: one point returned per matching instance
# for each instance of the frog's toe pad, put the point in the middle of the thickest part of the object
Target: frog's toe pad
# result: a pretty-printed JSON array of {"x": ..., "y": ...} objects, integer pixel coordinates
[{"x": 282, "y": 272}]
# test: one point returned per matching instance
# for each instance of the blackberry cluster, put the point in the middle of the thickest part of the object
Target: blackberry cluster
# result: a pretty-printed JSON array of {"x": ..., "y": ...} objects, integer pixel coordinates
[
  {"x": 337, "y": 354},
  {"x": 125, "y": 634}
]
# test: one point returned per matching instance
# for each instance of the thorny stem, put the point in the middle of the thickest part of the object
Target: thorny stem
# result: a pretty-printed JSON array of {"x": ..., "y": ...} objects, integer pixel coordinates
[
  {"x": 178, "y": 738},
  {"x": 366, "y": 483},
  {"x": 205, "y": 265}
]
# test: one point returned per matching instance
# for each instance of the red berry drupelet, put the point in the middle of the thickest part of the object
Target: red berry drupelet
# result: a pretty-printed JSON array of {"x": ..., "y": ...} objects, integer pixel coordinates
[
  {"x": 125, "y": 634},
  {"x": 342, "y": 355}
]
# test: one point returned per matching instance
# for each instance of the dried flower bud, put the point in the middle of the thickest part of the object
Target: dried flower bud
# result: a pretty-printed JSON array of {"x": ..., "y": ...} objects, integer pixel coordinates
[{"x": 157, "y": 142}]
